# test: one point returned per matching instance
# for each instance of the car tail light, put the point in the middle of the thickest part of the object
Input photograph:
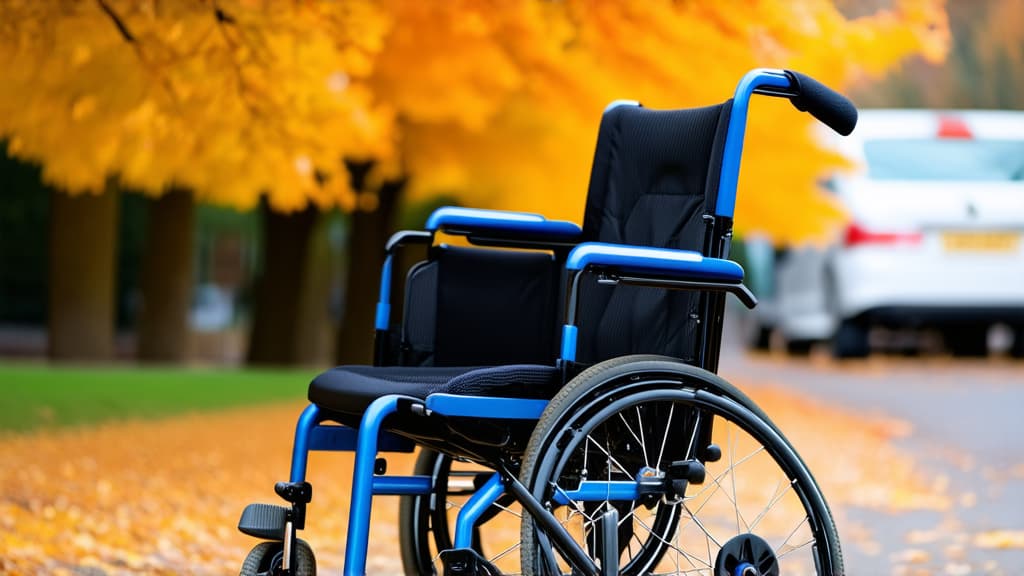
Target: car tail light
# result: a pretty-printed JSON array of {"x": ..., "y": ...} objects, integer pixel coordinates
[
  {"x": 952, "y": 127},
  {"x": 857, "y": 235}
]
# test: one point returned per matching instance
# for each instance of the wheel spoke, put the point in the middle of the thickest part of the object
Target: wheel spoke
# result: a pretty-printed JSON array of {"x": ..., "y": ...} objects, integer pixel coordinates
[
  {"x": 668, "y": 426},
  {"x": 732, "y": 467},
  {"x": 703, "y": 529},
  {"x": 643, "y": 443},
  {"x": 639, "y": 439},
  {"x": 673, "y": 546},
  {"x": 777, "y": 496},
  {"x": 611, "y": 458},
  {"x": 784, "y": 547},
  {"x": 693, "y": 437}
]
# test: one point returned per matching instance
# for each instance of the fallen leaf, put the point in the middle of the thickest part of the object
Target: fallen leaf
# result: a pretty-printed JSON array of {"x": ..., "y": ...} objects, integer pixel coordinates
[{"x": 1000, "y": 539}]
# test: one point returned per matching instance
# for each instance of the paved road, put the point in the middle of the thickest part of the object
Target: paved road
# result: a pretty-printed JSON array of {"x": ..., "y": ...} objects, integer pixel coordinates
[{"x": 966, "y": 430}]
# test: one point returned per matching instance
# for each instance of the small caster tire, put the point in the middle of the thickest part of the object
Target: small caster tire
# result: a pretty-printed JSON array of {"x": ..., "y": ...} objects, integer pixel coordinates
[{"x": 266, "y": 558}]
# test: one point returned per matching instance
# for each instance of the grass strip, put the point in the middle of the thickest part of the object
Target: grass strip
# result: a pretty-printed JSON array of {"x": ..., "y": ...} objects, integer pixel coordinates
[{"x": 34, "y": 396}]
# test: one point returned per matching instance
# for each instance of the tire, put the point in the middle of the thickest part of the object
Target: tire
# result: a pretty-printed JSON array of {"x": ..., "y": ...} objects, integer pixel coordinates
[
  {"x": 799, "y": 348},
  {"x": 266, "y": 557},
  {"x": 600, "y": 416},
  {"x": 426, "y": 523},
  {"x": 969, "y": 341},
  {"x": 1017, "y": 348},
  {"x": 850, "y": 341},
  {"x": 760, "y": 339}
]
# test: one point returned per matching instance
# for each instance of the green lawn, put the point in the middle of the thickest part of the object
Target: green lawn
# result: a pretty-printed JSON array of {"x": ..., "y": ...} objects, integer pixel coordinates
[{"x": 39, "y": 396}]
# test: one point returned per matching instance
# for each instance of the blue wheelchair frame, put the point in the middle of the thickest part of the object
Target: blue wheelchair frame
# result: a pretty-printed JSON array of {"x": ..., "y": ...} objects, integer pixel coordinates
[{"x": 675, "y": 267}]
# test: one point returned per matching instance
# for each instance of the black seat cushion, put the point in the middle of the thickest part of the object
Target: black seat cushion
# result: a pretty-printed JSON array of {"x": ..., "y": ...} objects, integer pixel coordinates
[{"x": 350, "y": 389}]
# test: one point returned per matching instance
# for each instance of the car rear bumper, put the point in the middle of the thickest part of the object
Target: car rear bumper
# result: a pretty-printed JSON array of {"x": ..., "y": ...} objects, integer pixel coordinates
[
  {"x": 941, "y": 316},
  {"x": 897, "y": 286}
]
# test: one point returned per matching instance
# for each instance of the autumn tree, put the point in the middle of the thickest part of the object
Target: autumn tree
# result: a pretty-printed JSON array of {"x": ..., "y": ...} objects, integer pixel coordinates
[
  {"x": 515, "y": 127},
  {"x": 226, "y": 100},
  {"x": 495, "y": 101},
  {"x": 983, "y": 69},
  {"x": 499, "y": 101}
]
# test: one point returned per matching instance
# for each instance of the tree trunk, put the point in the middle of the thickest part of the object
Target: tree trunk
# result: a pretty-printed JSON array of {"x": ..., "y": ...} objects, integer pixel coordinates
[
  {"x": 279, "y": 289},
  {"x": 315, "y": 334},
  {"x": 167, "y": 278},
  {"x": 83, "y": 244},
  {"x": 368, "y": 232}
]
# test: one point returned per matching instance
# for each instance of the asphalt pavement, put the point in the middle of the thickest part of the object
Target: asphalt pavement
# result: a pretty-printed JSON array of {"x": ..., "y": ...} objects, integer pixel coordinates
[{"x": 965, "y": 429}]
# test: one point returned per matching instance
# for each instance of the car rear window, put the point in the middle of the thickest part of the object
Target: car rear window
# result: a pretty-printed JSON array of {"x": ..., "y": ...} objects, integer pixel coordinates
[{"x": 919, "y": 159}]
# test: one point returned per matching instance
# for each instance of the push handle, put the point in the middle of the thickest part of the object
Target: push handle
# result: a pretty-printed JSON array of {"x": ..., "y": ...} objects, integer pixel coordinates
[{"x": 830, "y": 107}]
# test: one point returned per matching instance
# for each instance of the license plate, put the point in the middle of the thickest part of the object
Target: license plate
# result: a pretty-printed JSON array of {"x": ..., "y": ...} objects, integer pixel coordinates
[{"x": 980, "y": 241}]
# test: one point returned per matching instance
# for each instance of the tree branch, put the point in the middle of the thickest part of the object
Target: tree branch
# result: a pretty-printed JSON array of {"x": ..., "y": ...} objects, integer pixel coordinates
[{"x": 121, "y": 27}]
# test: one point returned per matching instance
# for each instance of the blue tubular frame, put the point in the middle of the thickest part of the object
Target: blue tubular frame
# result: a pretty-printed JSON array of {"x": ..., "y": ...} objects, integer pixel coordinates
[
  {"x": 362, "y": 483},
  {"x": 473, "y": 509},
  {"x": 383, "y": 316},
  {"x": 751, "y": 83},
  {"x": 680, "y": 268},
  {"x": 310, "y": 435},
  {"x": 486, "y": 406},
  {"x": 597, "y": 491},
  {"x": 470, "y": 220},
  {"x": 682, "y": 264}
]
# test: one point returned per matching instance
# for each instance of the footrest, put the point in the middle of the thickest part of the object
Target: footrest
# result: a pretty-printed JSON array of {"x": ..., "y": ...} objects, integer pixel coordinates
[{"x": 264, "y": 521}]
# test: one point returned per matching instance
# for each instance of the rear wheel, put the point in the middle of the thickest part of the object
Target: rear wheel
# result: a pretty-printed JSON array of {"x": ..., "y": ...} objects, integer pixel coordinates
[
  {"x": 426, "y": 523},
  {"x": 631, "y": 419}
]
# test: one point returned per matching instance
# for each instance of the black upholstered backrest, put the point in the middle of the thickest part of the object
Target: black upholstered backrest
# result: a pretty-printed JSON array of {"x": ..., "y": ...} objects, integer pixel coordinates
[
  {"x": 481, "y": 307},
  {"x": 655, "y": 176}
]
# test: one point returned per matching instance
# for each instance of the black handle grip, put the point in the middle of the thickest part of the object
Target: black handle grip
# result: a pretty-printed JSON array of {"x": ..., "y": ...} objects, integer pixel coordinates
[{"x": 832, "y": 108}]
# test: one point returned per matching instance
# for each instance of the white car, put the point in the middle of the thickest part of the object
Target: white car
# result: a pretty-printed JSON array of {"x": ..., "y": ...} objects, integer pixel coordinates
[{"x": 935, "y": 238}]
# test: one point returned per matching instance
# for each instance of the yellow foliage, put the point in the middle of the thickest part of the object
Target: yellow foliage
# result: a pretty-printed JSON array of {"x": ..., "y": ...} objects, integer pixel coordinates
[
  {"x": 231, "y": 99},
  {"x": 536, "y": 151},
  {"x": 496, "y": 101}
]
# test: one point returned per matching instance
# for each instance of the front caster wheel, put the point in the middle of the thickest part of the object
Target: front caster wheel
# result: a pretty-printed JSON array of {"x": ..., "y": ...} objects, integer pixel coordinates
[
  {"x": 267, "y": 558},
  {"x": 747, "y": 555}
]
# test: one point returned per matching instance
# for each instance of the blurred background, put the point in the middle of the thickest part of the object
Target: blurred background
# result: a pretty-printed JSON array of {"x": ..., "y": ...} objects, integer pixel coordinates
[{"x": 194, "y": 196}]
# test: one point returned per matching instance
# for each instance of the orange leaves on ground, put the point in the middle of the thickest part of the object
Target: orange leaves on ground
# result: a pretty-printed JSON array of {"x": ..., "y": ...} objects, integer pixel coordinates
[
  {"x": 164, "y": 497},
  {"x": 1000, "y": 539}
]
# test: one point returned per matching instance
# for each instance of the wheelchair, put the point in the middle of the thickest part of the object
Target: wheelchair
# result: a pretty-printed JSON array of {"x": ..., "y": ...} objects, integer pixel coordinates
[{"x": 560, "y": 382}]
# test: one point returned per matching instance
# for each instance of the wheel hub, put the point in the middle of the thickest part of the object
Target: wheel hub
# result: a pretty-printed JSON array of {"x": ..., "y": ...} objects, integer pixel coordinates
[{"x": 746, "y": 555}]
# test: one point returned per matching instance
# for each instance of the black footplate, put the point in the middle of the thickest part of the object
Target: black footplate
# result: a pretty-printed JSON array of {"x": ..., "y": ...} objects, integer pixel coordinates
[{"x": 264, "y": 521}]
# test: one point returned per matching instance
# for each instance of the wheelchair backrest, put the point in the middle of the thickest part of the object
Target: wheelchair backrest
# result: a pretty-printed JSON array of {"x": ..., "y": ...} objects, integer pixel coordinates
[
  {"x": 653, "y": 183},
  {"x": 493, "y": 307}
]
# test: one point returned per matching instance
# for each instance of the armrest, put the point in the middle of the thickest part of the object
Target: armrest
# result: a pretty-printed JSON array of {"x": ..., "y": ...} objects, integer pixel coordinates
[
  {"x": 499, "y": 224},
  {"x": 643, "y": 266},
  {"x": 662, "y": 262}
]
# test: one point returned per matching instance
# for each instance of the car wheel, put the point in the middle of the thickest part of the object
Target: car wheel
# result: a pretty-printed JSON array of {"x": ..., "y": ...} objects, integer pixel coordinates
[
  {"x": 850, "y": 340},
  {"x": 967, "y": 341},
  {"x": 760, "y": 338},
  {"x": 1017, "y": 348},
  {"x": 799, "y": 347}
]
